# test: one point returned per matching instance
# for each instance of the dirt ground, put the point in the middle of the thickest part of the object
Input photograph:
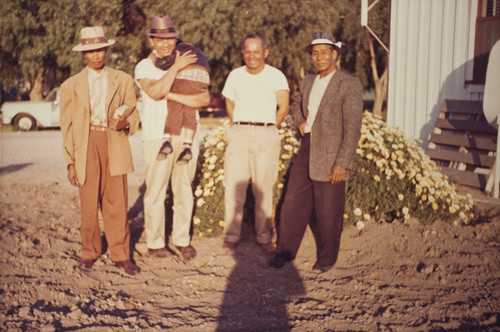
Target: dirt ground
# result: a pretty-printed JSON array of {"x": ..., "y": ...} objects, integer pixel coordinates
[{"x": 390, "y": 276}]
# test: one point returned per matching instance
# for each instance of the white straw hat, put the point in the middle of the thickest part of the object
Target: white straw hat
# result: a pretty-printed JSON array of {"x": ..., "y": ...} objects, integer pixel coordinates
[{"x": 92, "y": 38}]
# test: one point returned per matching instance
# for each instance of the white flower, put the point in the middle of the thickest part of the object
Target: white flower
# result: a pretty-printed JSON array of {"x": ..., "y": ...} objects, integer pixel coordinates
[
  {"x": 200, "y": 202},
  {"x": 196, "y": 221},
  {"x": 357, "y": 212},
  {"x": 360, "y": 225},
  {"x": 366, "y": 216},
  {"x": 198, "y": 192}
]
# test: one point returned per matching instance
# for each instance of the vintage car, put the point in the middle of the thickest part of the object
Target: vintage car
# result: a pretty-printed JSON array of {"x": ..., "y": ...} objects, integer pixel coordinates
[{"x": 29, "y": 115}]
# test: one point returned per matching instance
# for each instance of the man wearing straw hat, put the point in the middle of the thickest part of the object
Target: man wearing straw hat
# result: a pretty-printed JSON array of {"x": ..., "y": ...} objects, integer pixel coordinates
[
  {"x": 97, "y": 116},
  {"x": 156, "y": 84},
  {"x": 327, "y": 110}
]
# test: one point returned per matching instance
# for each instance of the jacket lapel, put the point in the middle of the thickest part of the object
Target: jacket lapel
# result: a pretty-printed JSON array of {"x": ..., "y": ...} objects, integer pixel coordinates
[
  {"x": 331, "y": 90},
  {"x": 111, "y": 90},
  {"x": 307, "y": 92},
  {"x": 82, "y": 89}
]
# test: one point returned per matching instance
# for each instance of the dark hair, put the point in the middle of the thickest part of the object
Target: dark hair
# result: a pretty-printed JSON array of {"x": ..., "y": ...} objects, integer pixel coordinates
[{"x": 252, "y": 36}]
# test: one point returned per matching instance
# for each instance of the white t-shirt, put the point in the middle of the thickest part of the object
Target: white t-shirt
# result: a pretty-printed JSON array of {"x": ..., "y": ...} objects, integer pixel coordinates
[
  {"x": 254, "y": 96},
  {"x": 317, "y": 91},
  {"x": 155, "y": 111}
]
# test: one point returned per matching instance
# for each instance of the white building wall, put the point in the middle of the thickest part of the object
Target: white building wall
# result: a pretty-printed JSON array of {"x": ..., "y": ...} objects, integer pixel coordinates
[{"x": 431, "y": 55}]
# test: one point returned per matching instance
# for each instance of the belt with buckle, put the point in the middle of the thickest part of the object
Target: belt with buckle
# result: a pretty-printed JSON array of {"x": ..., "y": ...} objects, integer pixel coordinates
[
  {"x": 260, "y": 124},
  {"x": 98, "y": 128}
]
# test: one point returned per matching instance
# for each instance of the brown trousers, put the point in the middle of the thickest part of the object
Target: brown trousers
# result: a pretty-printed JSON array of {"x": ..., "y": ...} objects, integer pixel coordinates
[
  {"x": 319, "y": 204},
  {"x": 108, "y": 192},
  {"x": 181, "y": 116}
]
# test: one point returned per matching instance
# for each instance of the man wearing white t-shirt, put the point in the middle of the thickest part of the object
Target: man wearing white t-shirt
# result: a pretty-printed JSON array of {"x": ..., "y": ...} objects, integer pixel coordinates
[
  {"x": 257, "y": 98},
  {"x": 155, "y": 85}
]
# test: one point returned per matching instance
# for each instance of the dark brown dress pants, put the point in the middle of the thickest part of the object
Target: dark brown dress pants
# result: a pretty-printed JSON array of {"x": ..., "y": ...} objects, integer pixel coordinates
[{"x": 319, "y": 204}]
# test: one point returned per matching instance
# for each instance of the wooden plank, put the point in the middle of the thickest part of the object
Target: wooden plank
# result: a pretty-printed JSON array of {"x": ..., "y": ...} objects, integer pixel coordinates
[
  {"x": 480, "y": 143},
  {"x": 475, "y": 159},
  {"x": 467, "y": 178},
  {"x": 462, "y": 106},
  {"x": 465, "y": 125}
]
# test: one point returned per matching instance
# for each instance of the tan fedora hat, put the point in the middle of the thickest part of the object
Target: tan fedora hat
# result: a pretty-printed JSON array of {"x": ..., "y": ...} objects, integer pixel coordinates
[
  {"x": 162, "y": 27},
  {"x": 92, "y": 38}
]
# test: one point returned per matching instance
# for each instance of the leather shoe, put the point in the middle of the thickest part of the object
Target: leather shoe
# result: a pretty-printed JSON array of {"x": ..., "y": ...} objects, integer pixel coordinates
[
  {"x": 128, "y": 267},
  {"x": 86, "y": 264},
  {"x": 165, "y": 150},
  {"x": 185, "y": 156},
  {"x": 188, "y": 253},
  {"x": 229, "y": 246},
  {"x": 160, "y": 252},
  {"x": 268, "y": 248},
  {"x": 321, "y": 268},
  {"x": 279, "y": 260}
]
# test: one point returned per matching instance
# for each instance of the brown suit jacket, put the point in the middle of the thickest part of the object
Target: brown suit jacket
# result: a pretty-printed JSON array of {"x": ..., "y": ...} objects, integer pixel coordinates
[
  {"x": 337, "y": 127},
  {"x": 75, "y": 121}
]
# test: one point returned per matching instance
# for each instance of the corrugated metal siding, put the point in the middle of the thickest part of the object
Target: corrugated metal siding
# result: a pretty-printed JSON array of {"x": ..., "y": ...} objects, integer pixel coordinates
[{"x": 431, "y": 52}]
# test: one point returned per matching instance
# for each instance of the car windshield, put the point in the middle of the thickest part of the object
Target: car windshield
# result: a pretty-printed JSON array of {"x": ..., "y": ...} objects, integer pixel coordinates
[{"x": 51, "y": 96}]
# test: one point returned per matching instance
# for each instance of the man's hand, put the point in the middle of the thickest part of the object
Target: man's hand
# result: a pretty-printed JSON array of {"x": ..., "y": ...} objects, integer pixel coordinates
[
  {"x": 184, "y": 60},
  {"x": 72, "y": 175},
  {"x": 338, "y": 174},
  {"x": 119, "y": 124},
  {"x": 302, "y": 128}
]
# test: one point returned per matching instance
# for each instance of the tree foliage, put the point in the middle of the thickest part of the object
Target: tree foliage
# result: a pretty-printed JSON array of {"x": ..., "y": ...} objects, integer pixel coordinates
[{"x": 50, "y": 29}]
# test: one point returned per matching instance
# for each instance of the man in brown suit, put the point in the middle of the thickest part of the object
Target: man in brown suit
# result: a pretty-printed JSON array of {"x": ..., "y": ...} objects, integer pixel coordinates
[
  {"x": 96, "y": 148},
  {"x": 328, "y": 111}
]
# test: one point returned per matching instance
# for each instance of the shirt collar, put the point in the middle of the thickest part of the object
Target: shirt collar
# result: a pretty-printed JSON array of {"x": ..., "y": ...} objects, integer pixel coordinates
[
  {"x": 94, "y": 73},
  {"x": 326, "y": 78}
]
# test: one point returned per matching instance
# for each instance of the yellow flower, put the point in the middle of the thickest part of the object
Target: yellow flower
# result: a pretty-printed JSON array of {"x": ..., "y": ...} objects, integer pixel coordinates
[
  {"x": 376, "y": 178},
  {"x": 434, "y": 206},
  {"x": 345, "y": 216},
  {"x": 401, "y": 197},
  {"x": 196, "y": 221},
  {"x": 209, "y": 230},
  {"x": 280, "y": 185},
  {"x": 221, "y": 223},
  {"x": 424, "y": 197}
]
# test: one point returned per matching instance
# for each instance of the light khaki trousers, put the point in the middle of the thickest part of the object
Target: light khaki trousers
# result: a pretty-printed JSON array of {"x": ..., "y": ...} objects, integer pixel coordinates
[
  {"x": 158, "y": 174},
  {"x": 252, "y": 154}
]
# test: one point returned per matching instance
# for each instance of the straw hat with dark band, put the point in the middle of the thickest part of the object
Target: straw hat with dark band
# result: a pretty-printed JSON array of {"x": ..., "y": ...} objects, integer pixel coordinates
[{"x": 92, "y": 38}]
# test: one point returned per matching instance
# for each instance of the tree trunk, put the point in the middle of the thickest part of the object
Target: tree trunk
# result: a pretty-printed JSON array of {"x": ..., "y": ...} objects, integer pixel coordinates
[
  {"x": 36, "y": 93},
  {"x": 380, "y": 93},
  {"x": 380, "y": 83}
]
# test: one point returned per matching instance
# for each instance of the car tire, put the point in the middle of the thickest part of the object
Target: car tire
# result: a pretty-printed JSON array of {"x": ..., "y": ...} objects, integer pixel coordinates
[{"x": 24, "y": 122}]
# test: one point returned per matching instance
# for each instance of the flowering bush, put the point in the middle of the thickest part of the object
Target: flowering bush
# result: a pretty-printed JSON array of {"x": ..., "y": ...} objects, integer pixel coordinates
[
  {"x": 392, "y": 178},
  {"x": 208, "y": 218}
]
